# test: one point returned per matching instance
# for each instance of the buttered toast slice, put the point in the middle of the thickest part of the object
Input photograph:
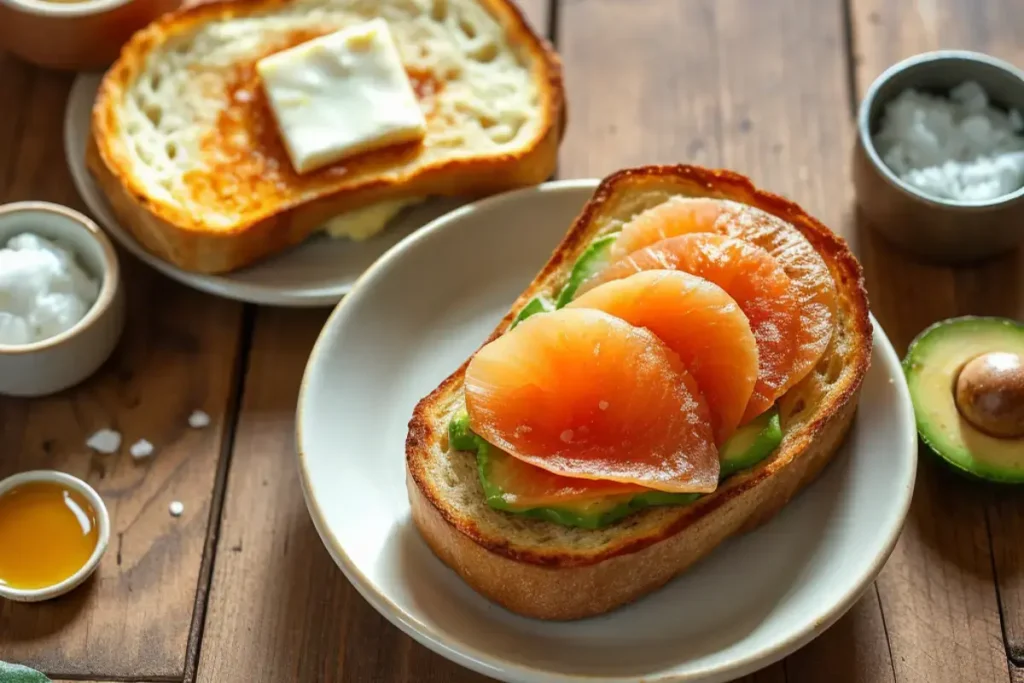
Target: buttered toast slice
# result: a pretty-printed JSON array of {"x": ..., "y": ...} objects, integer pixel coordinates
[
  {"x": 549, "y": 571},
  {"x": 186, "y": 149}
]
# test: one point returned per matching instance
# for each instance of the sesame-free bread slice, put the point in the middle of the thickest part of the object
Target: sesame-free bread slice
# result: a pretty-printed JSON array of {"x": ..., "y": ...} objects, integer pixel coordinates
[
  {"x": 186, "y": 149},
  {"x": 544, "y": 570}
]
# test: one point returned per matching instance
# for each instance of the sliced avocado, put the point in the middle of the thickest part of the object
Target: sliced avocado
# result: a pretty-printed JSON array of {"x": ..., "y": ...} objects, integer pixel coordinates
[
  {"x": 592, "y": 514},
  {"x": 538, "y": 304},
  {"x": 593, "y": 259},
  {"x": 589, "y": 515},
  {"x": 952, "y": 389},
  {"x": 752, "y": 443},
  {"x": 748, "y": 446}
]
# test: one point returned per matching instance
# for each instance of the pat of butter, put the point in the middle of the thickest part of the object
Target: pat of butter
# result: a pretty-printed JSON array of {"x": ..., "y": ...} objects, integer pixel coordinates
[
  {"x": 341, "y": 94},
  {"x": 366, "y": 222}
]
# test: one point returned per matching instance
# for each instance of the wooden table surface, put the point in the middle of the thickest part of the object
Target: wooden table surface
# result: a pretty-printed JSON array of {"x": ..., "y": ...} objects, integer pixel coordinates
[{"x": 239, "y": 588}]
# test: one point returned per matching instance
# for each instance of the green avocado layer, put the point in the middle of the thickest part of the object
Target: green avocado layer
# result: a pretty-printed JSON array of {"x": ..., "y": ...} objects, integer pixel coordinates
[
  {"x": 932, "y": 366},
  {"x": 751, "y": 444},
  {"x": 592, "y": 261}
]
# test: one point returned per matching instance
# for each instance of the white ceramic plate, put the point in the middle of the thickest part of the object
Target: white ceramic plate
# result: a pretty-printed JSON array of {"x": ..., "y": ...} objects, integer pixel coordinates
[
  {"x": 411, "y": 320},
  {"x": 316, "y": 273}
]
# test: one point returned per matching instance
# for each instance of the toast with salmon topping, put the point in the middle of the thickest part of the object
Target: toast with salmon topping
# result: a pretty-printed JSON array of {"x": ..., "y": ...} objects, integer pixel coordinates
[
  {"x": 188, "y": 151},
  {"x": 549, "y": 564}
]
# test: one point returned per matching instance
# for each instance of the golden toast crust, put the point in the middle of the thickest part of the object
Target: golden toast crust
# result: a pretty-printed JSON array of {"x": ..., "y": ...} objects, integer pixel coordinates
[
  {"x": 183, "y": 239},
  {"x": 573, "y": 583}
]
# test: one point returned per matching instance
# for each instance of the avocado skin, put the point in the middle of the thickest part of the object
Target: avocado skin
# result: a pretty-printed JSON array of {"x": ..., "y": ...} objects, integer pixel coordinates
[
  {"x": 952, "y": 451},
  {"x": 603, "y": 513}
]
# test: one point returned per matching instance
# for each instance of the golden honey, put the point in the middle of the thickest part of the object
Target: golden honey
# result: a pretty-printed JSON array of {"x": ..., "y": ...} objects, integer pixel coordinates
[{"x": 47, "y": 533}]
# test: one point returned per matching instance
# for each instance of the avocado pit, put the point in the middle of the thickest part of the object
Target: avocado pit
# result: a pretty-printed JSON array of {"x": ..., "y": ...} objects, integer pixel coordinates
[{"x": 989, "y": 394}]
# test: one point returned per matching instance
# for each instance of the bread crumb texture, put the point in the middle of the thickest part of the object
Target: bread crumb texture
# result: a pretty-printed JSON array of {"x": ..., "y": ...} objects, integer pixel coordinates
[{"x": 199, "y": 136}]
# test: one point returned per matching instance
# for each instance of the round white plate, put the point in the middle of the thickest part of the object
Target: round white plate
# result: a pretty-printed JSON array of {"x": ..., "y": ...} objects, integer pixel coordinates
[
  {"x": 316, "y": 273},
  {"x": 410, "y": 321}
]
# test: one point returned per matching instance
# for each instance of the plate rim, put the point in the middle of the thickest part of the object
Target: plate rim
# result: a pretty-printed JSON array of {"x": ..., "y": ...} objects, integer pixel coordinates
[{"x": 497, "y": 666}]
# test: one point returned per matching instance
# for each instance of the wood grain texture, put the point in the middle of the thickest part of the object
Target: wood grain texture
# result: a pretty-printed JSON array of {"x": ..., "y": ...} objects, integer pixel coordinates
[
  {"x": 1006, "y": 524},
  {"x": 133, "y": 618},
  {"x": 279, "y": 608},
  {"x": 771, "y": 674},
  {"x": 938, "y": 595},
  {"x": 855, "y": 650},
  {"x": 757, "y": 87}
]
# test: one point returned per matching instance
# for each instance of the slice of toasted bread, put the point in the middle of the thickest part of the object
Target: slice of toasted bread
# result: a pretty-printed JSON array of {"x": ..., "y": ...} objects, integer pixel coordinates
[
  {"x": 544, "y": 570},
  {"x": 186, "y": 149}
]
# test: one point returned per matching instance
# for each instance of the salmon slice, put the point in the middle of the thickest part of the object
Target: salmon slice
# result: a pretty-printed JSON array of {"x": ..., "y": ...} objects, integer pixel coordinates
[
  {"x": 526, "y": 486},
  {"x": 752, "y": 277},
  {"x": 700, "y": 322},
  {"x": 813, "y": 286},
  {"x": 581, "y": 393}
]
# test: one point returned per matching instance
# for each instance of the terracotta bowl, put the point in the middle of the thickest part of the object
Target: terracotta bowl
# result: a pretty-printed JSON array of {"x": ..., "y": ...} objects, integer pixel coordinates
[{"x": 78, "y": 35}]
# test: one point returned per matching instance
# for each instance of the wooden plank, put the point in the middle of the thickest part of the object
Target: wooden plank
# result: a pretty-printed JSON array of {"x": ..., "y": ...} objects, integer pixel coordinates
[
  {"x": 937, "y": 592},
  {"x": 855, "y": 650},
  {"x": 279, "y": 608},
  {"x": 15, "y": 86},
  {"x": 1006, "y": 524},
  {"x": 133, "y": 618},
  {"x": 772, "y": 674},
  {"x": 697, "y": 94}
]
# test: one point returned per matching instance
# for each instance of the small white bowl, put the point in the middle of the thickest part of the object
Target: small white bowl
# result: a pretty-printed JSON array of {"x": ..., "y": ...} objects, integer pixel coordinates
[
  {"x": 102, "y": 520},
  {"x": 54, "y": 364}
]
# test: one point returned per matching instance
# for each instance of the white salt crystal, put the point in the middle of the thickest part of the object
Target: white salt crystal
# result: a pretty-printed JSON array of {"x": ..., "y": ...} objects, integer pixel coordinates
[
  {"x": 176, "y": 508},
  {"x": 43, "y": 291},
  {"x": 105, "y": 441},
  {"x": 141, "y": 449},
  {"x": 198, "y": 419},
  {"x": 958, "y": 148}
]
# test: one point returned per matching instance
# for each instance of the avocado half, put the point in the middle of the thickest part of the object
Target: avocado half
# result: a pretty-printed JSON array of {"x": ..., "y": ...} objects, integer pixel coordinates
[{"x": 932, "y": 367}]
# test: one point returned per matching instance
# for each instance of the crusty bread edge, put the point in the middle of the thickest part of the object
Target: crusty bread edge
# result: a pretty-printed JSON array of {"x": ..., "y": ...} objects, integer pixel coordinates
[
  {"x": 181, "y": 239},
  {"x": 550, "y": 587}
]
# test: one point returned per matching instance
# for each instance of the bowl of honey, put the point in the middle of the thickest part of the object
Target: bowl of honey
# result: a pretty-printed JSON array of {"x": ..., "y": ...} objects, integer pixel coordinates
[{"x": 54, "y": 528}]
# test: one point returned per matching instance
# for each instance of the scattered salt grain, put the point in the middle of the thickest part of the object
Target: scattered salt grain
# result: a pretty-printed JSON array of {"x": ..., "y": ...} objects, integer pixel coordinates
[
  {"x": 176, "y": 508},
  {"x": 603, "y": 405},
  {"x": 43, "y": 291},
  {"x": 958, "y": 148},
  {"x": 141, "y": 449},
  {"x": 198, "y": 419},
  {"x": 105, "y": 441}
]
